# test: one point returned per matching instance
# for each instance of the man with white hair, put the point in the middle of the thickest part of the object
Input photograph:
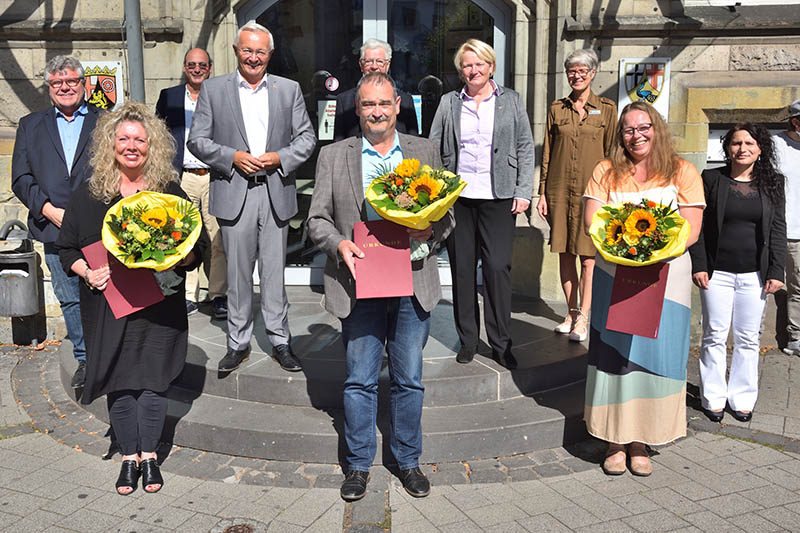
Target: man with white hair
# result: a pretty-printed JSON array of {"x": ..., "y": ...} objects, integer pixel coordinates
[
  {"x": 376, "y": 56},
  {"x": 50, "y": 161},
  {"x": 252, "y": 129},
  {"x": 787, "y": 150}
]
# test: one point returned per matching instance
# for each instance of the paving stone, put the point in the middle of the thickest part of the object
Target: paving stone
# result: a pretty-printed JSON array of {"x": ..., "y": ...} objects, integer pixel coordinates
[
  {"x": 775, "y": 475},
  {"x": 499, "y": 493},
  {"x": 782, "y": 517},
  {"x": 516, "y": 461},
  {"x": 543, "y": 501},
  {"x": 614, "y": 526},
  {"x": 468, "y": 499},
  {"x": 664, "y": 519},
  {"x": 419, "y": 526},
  {"x": 404, "y": 513},
  {"x": 283, "y": 467},
  {"x": 522, "y": 474},
  {"x": 168, "y": 517},
  {"x": 439, "y": 510},
  {"x": 487, "y": 476},
  {"x": 223, "y": 473},
  {"x": 672, "y": 500},
  {"x": 771, "y": 496},
  {"x": 318, "y": 469},
  {"x": 551, "y": 470},
  {"x": 571, "y": 488},
  {"x": 730, "y": 505},
  {"x": 294, "y": 481},
  {"x": 579, "y": 465},
  {"x": 495, "y": 514},
  {"x": 328, "y": 481},
  {"x": 543, "y": 523},
  {"x": 331, "y": 520},
  {"x": 439, "y": 479},
  {"x": 38, "y": 521},
  {"x": 574, "y": 516},
  {"x": 600, "y": 506},
  {"x": 636, "y": 503},
  {"x": 613, "y": 486},
  {"x": 466, "y": 526},
  {"x": 728, "y": 464},
  {"x": 753, "y": 523},
  {"x": 313, "y": 504},
  {"x": 88, "y": 521},
  {"x": 201, "y": 502},
  {"x": 258, "y": 478},
  {"x": 709, "y": 522},
  {"x": 488, "y": 464}
]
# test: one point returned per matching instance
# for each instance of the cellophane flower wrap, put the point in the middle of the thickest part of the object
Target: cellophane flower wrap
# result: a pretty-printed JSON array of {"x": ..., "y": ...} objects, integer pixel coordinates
[
  {"x": 638, "y": 234},
  {"x": 414, "y": 195},
  {"x": 151, "y": 230}
]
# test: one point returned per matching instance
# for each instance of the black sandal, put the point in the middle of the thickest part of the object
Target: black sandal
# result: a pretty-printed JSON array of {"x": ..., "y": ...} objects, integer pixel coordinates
[
  {"x": 151, "y": 475},
  {"x": 128, "y": 477}
]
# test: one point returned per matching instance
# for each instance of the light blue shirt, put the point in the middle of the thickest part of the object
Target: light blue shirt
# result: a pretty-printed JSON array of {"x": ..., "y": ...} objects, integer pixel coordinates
[
  {"x": 70, "y": 131},
  {"x": 372, "y": 162}
]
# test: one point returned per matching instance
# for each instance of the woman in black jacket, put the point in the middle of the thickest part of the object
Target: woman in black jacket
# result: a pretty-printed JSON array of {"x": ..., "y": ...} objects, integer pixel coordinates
[{"x": 738, "y": 260}]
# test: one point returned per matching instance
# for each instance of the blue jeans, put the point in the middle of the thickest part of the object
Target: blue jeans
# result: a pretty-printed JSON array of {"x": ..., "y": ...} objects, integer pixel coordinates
[
  {"x": 67, "y": 289},
  {"x": 402, "y": 326}
]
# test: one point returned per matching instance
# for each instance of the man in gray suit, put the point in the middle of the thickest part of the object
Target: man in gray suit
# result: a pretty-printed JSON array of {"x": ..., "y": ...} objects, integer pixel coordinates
[
  {"x": 251, "y": 128},
  {"x": 401, "y": 325}
]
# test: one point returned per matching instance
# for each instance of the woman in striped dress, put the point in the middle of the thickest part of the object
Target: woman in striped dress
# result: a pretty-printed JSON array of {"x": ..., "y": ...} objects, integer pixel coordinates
[{"x": 636, "y": 386}]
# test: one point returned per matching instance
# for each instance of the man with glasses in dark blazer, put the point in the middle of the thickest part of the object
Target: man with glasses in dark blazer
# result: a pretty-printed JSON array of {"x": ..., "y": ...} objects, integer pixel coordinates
[{"x": 51, "y": 158}]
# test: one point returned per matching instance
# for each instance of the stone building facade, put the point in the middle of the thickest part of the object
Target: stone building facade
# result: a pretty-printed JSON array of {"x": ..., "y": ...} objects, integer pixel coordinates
[{"x": 728, "y": 62}]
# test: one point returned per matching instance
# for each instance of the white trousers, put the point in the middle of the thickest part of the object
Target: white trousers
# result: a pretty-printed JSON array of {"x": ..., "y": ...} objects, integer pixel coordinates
[{"x": 738, "y": 299}]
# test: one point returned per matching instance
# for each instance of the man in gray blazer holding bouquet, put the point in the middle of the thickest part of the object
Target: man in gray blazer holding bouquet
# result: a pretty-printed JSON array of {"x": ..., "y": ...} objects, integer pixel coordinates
[
  {"x": 252, "y": 129},
  {"x": 402, "y": 324}
]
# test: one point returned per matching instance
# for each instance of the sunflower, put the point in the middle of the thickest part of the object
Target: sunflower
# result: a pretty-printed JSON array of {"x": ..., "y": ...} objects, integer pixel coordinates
[
  {"x": 427, "y": 185},
  {"x": 640, "y": 223},
  {"x": 155, "y": 217},
  {"x": 614, "y": 231},
  {"x": 407, "y": 168}
]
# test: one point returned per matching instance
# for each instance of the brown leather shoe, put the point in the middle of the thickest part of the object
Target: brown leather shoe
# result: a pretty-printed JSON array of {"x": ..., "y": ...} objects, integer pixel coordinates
[
  {"x": 640, "y": 464},
  {"x": 614, "y": 464}
]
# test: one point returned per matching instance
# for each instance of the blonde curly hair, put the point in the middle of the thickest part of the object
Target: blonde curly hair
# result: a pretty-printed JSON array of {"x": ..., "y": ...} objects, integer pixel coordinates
[{"x": 157, "y": 170}]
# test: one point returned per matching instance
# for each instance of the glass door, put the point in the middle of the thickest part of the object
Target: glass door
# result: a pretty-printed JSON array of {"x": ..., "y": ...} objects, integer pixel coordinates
[{"x": 317, "y": 44}]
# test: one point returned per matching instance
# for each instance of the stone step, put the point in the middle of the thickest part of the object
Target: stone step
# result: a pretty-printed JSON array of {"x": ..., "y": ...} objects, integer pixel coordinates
[
  {"x": 320, "y": 384},
  {"x": 307, "y": 434}
]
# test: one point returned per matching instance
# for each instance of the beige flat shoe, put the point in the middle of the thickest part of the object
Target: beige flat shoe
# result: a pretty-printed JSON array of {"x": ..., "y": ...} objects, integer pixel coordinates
[
  {"x": 614, "y": 464},
  {"x": 640, "y": 464},
  {"x": 565, "y": 327}
]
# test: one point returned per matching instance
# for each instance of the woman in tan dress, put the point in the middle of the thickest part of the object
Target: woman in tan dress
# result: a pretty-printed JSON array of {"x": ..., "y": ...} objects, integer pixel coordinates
[{"x": 580, "y": 132}]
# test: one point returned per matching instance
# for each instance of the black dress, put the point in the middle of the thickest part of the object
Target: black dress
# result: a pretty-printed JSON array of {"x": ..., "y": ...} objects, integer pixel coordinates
[{"x": 144, "y": 350}]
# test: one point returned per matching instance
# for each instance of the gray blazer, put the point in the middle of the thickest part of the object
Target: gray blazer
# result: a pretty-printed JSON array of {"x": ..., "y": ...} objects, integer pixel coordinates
[
  {"x": 338, "y": 203},
  {"x": 512, "y": 142},
  {"x": 218, "y": 132}
]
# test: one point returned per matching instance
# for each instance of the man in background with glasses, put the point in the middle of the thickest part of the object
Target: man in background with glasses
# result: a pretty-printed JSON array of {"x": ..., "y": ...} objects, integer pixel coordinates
[
  {"x": 252, "y": 129},
  {"x": 176, "y": 106},
  {"x": 50, "y": 161},
  {"x": 376, "y": 56}
]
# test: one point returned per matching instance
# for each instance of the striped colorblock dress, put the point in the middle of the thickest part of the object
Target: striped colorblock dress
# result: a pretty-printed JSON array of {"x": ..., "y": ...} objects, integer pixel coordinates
[{"x": 636, "y": 386}]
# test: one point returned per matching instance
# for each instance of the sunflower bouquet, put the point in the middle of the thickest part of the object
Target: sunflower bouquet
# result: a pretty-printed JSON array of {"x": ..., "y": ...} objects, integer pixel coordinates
[
  {"x": 151, "y": 230},
  {"x": 413, "y": 195},
  {"x": 638, "y": 234}
]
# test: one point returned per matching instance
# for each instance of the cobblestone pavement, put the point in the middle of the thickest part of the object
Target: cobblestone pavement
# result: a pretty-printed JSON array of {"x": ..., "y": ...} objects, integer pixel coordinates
[{"x": 56, "y": 474}]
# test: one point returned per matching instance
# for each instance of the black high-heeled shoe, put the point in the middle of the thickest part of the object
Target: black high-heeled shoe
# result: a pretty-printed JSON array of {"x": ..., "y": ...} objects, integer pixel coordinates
[
  {"x": 151, "y": 475},
  {"x": 128, "y": 477}
]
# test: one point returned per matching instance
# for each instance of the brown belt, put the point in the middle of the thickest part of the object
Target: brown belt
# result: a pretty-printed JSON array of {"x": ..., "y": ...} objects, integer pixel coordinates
[{"x": 198, "y": 171}]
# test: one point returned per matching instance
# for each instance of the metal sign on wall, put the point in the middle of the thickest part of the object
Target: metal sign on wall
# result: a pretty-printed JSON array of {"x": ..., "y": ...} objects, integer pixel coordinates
[
  {"x": 104, "y": 86},
  {"x": 645, "y": 79}
]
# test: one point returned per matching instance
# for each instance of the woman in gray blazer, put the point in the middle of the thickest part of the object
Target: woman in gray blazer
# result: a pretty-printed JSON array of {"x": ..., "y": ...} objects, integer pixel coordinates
[{"x": 485, "y": 136}]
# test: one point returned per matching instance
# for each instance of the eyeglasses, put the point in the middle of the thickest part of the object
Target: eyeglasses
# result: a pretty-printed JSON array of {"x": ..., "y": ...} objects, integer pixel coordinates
[
  {"x": 383, "y": 105},
  {"x": 582, "y": 72},
  {"x": 192, "y": 65},
  {"x": 261, "y": 54},
  {"x": 71, "y": 82},
  {"x": 641, "y": 129},
  {"x": 380, "y": 62}
]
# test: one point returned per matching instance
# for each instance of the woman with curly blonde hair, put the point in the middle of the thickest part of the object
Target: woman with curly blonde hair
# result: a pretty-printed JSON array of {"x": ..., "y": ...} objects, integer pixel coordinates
[
  {"x": 636, "y": 385},
  {"x": 133, "y": 359}
]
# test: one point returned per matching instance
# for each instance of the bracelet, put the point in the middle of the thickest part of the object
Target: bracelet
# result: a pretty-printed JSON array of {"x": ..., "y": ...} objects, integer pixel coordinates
[{"x": 86, "y": 277}]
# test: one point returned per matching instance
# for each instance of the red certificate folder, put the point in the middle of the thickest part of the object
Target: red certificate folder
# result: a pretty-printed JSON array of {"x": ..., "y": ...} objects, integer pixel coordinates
[
  {"x": 637, "y": 298},
  {"x": 385, "y": 269},
  {"x": 128, "y": 289}
]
